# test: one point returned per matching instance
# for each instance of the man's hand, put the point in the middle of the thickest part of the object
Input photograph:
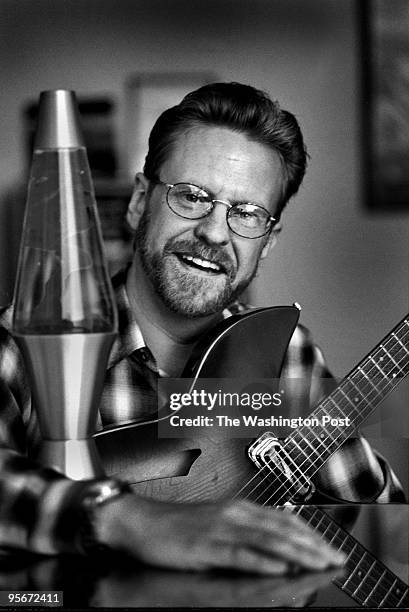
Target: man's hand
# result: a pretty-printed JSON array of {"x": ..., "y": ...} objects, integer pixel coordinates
[{"x": 236, "y": 535}]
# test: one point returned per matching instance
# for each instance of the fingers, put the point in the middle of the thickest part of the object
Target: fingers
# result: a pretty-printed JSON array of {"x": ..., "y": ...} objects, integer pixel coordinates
[
  {"x": 236, "y": 535},
  {"x": 272, "y": 540},
  {"x": 241, "y": 558}
]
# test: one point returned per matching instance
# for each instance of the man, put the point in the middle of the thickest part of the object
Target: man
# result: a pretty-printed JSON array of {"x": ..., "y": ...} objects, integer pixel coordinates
[{"x": 220, "y": 168}]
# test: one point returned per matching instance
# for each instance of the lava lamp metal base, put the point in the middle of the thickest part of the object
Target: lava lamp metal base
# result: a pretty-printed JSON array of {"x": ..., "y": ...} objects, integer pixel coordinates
[{"x": 77, "y": 459}]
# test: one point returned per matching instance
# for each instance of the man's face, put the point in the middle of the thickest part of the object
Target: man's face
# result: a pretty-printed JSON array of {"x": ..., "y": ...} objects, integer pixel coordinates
[{"x": 197, "y": 267}]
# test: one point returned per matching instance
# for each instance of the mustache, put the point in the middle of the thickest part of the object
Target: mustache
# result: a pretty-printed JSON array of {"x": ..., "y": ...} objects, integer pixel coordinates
[{"x": 202, "y": 251}]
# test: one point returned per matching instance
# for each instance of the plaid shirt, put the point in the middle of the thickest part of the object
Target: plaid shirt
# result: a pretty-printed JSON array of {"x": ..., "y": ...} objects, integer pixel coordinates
[{"x": 39, "y": 507}]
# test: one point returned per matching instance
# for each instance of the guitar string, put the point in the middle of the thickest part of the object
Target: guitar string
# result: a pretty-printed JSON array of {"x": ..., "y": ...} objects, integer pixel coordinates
[
  {"x": 342, "y": 433},
  {"x": 370, "y": 585},
  {"x": 341, "y": 538},
  {"x": 318, "y": 461},
  {"x": 380, "y": 590},
  {"x": 349, "y": 379},
  {"x": 348, "y": 544},
  {"x": 367, "y": 564},
  {"x": 272, "y": 468},
  {"x": 333, "y": 440},
  {"x": 279, "y": 473}
]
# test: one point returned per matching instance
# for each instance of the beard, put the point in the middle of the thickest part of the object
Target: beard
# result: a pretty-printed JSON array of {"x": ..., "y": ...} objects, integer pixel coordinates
[{"x": 181, "y": 289}]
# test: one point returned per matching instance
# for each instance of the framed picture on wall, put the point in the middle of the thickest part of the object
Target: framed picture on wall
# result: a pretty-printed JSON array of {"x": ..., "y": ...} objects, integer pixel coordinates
[
  {"x": 385, "y": 36},
  {"x": 147, "y": 96}
]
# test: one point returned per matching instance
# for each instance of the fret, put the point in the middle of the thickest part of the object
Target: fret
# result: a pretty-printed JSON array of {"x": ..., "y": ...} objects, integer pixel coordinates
[
  {"x": 294, "y": 441},
  {"x": 352, "y": 551},
  {"x": 356, "y": 569},
  {"x": 405, "y": 592},
  {"x": 369, "y": 380},
  {"x": 344, "y": 541},
  {"x": 401, "y": 343},
  {"x": 329, "y": 403},
  {"x": 362, "y": 397},
  {"x": 340, "y": 434},
  {"x": 293, "y": 509},
  {"x": 389, "y": 367},
  {"x": 312, "y": 517},
  {"x": 319, "y": 438},
  {"x": 388, "y": 592},
  {"x": 339, "y": 413},
  {"x": 324, "y": 533},
  {"x": 368, "y": 571},
  {"x": 347, "y": 398},
  {"x": 371, "y": 375},
  {"x": 359, "y": 580},
  {"x": 380, "y": 369},
  {"x": 375, "y": 586},
  {"x": 314, "y": 450},
  {"x": 392, "y": 359},
  {"x": 336, "y": 534},
  {"x": 303, "y": 462},
  {"x": 368, "y": 582},
  {"x": 317, "y": 526}
]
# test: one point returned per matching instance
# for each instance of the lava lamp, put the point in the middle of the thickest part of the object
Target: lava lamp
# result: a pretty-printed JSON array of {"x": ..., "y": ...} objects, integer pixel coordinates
[{"x": 65, "y": 317}]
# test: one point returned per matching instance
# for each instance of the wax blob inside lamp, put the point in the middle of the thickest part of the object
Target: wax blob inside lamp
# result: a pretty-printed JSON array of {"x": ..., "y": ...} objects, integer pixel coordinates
[{"x": 65, "y": 317}]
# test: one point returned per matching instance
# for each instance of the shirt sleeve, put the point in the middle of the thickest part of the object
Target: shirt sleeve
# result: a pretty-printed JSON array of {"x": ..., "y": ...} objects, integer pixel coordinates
[
  {"x": 355, "y": 472},
  {"x": 40, "y": 510}
]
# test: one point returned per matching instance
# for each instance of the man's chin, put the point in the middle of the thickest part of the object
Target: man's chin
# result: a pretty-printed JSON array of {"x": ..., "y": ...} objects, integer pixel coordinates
[
  {"x": 194, "y": 306},
  {"x": 186, "y": 292}
]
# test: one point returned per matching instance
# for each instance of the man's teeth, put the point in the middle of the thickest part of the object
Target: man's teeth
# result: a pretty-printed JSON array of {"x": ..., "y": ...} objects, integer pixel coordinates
[{"x": 202, "y": 263}]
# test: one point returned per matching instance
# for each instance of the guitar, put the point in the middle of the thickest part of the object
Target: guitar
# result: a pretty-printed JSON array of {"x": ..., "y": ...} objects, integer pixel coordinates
[{"x": 192, "y": 470}]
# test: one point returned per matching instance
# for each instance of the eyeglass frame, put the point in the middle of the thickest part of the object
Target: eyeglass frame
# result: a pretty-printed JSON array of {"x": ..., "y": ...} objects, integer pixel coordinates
[{"x": 212, "y": 202}]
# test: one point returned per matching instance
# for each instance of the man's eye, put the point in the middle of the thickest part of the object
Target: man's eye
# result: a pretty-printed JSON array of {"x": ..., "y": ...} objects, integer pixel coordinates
[
  {"x": 248, "y": 217},
  {"x": 194, "y": 198}
]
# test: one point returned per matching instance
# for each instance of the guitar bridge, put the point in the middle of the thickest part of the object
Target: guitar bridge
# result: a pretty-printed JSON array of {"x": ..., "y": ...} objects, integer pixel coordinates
[{"x": 268, "y": 451}]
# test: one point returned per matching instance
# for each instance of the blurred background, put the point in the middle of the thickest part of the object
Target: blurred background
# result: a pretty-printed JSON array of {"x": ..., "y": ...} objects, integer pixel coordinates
[{"x": 344, "y": 259}]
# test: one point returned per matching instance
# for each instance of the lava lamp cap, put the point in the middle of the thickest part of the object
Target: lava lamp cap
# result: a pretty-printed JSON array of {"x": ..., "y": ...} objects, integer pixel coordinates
[{"x": 58, "y": 121}]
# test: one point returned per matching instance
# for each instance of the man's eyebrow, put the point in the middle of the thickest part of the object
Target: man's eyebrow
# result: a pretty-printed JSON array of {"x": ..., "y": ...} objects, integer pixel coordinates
[{"x": 232, "y": 202}]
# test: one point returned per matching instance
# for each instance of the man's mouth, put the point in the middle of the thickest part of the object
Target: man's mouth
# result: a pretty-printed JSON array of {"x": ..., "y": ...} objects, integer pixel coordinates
[{"x": 205, "y": 265}]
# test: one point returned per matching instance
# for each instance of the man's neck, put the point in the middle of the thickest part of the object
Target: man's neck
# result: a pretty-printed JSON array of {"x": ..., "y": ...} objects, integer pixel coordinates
[{"x": 169, "y": 335}]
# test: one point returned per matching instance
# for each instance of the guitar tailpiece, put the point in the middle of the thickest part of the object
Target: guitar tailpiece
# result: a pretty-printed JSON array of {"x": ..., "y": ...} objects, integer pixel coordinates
[{"x": 268, "y": 451}]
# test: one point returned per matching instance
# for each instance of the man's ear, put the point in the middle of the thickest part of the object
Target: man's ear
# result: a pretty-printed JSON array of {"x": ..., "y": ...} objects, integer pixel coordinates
[
  {"x": 271, "y": 241},
  {"x": 138, "y": 200}
]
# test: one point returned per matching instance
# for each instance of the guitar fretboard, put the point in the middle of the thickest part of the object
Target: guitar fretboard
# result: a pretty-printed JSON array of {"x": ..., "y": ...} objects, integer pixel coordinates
[
  {"x": 355, "y": 398},
  {"x": 367, "y": 580}
]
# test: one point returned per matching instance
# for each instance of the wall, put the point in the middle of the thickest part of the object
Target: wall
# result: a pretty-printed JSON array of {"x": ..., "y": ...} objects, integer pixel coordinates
[{"x": 348, "y": 268}]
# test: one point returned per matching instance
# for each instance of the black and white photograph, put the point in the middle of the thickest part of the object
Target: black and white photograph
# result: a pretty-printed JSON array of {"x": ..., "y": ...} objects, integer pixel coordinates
[{"x": 204, "y": 288}]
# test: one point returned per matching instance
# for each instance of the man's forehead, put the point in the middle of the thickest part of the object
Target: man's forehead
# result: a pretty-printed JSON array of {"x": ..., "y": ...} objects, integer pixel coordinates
[{"x": 221, "y": 159}]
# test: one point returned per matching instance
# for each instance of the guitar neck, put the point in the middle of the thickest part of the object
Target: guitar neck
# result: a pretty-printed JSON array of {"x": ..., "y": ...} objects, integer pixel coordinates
[
  {"x": 351, "y": 402},
  {"x": 366, "y": 580}
]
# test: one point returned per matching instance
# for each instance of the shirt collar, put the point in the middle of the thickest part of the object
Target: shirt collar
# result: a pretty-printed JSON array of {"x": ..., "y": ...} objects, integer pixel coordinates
[{"x": 129, "y": 338}]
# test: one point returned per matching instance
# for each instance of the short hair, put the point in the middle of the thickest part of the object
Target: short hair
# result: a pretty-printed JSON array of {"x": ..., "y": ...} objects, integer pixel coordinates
[{"x": 243, "y": 109}]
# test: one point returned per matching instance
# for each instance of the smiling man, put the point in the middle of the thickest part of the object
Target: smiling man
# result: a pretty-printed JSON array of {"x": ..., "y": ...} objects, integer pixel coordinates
[
  {"x": 217, "y": 224},
  {"x": 202, "y": 226},
  {"x": 220, "y": 168}
]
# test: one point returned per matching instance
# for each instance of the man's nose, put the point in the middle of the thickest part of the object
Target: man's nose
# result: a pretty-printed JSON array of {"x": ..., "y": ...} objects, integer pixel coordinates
[{"x": 213, "y": 228}]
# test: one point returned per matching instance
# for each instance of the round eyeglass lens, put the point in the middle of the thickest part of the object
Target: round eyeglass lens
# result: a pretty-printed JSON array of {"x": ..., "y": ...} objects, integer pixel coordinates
[
  {"x": 249, "y": 220},
  {"x": 189, "y": 201}
]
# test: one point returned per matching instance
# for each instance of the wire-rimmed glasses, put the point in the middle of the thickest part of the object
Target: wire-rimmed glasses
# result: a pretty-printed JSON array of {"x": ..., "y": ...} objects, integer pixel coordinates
[{"x": 243, "y": 218}]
